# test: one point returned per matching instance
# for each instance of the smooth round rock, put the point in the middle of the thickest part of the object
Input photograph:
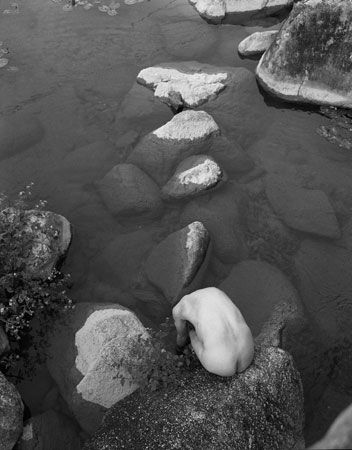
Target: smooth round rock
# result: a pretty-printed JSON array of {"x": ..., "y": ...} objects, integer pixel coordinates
[{"x": 257, "y": 43}]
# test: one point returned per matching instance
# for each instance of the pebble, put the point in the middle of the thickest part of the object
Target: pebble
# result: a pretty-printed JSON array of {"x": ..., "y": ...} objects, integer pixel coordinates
[{"x": 3, "y": 62}]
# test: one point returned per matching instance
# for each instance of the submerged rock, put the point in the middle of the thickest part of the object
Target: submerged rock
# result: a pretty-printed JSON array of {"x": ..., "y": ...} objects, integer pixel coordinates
[
  {"x": 50, "y": 430},
  {"x": 11, "y": 414},
  {"x": 307, "y": 210},
  {"x": 177, "y": 264},
  {"x": 261, "y": 408},
  {"x": 127, "y": 190},
  {"x": 256, "y": 43},
  {"x": 239, "y": 11},
  {"x": 194, "y": 176},
  {"x": 188, "y": 133},
  {"x": 89, "y": 355},
  {"x": 310, "y": 59}
]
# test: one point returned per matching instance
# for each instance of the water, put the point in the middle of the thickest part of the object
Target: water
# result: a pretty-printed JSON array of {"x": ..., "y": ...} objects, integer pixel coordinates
[{"x": 73, "y": 69}]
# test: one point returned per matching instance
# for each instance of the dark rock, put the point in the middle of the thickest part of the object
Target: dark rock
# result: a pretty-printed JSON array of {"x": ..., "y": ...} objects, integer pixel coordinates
[
  {"x": 11, "y": 414},
  {"x": 4, "y": 342}
]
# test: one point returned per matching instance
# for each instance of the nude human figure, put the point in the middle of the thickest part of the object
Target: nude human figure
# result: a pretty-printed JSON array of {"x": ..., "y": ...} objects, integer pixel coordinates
[{"x": 221, "y": 338}]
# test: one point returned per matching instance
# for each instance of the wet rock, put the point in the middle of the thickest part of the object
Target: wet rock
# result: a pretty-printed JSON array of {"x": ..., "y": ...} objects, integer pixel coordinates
[
  {"x": 307, "y": 210},
  {"x": 346, "y": 236},
  {"x": 230, "y": 154},
  {"x": 238, "y": 11},
  {"x": 177, "y": 264},
  {"x": 11, "y": 414},
  {"x": 209, "y": 412},
  {"x": 88, "y": 354},
  {"x": 194, "y": 176},
  {"x": 188, "y": 133},
  {"x": 339, "y": 435},
  {"x": 127, "y": 190},
  {"x": 325, "y": 286},
  {"x": 257, "y": 299},
  {"x": 50, "y": 430},
  {"x": 4, "y": 342},
  {"x": 310, "y": 60},
  {"x": 256, "y": 43},
  {"x": 224, "y": 216},
  {"x": 19, "y": 132}
]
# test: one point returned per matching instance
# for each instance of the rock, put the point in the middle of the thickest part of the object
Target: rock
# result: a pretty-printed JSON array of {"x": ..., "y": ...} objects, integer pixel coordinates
[
  {"x": 88, "y": 355},
  {"x": 256, "y": 43},
  {"x": 194, "y": 176},
  {"x": 127, "y": 190},
  {"x": 346, "y": 235},
  {"x": 259, "y": 408},
  {"x": 159, "y": 152},
  {"x": 339, "y": 435},
  {"x": 50, "y": 430},
  {"x": 239, "y": 11},
  {"x": 11, "y": 414},
  {"x": 324, "y": 282},
  {"x": 224, "y": 216},
  {"x": 307, "y": 210},
  {"x": 256, "y": 287},
  {"x": 4, "y": 342},
  {"x": 310, "y": 61},
  {"x": 177, "y": 264},
  {"x": 19, "y": 132}
]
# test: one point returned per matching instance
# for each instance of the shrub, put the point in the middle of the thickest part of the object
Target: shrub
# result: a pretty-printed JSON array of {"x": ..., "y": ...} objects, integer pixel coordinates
[{"x": 27, "y": 304}]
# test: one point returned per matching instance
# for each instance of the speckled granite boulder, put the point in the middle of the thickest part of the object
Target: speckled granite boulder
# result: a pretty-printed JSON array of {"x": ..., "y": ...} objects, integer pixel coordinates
[
  {"x": 177, "y": 264},
  {"x": 85, "y": 359},
  {"x": 310, "y": 59},
  {"x": 238, "y": 11},
  {"x": 261, "y": 408},
  {"x": 127, "y": 190},
  {"x": 49, "y": 431},
  {"x": 256, "y": 43},
  {"x": 11, "y": 414},
  {"x": 194, "y": 176}
]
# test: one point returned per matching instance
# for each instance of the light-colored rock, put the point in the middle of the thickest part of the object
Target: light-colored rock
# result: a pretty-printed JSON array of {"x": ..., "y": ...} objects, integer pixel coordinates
[
  {"x": 127, "y": 190},
  {"x": 176, "y": 265},
  {"x": 88, "y": 359},
  {"x": 238, "y": 11},
  {"x": 194, "y": 176},
  {"x": 256, "y": 43},
  {"x": 259, "y": 408},
  {"x": 224, "y": 216},
  {"x": 310, "y": 60},
  {"x": 50, "y": 430},
  {"x": 11, "y": 414},
  {"x": 159, "y": 152},
  {"x": 307, "y": 210}
]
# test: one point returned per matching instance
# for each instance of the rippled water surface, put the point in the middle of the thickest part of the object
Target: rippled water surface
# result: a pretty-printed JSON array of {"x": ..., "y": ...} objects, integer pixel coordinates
[{"x": 73, "y": 69}]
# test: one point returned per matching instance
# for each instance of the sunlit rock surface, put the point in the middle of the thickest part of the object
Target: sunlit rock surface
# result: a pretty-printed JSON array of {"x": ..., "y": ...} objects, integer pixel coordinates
[
  {"x": 176, "y": 265},
  {"x": 85, "y": 359},
  {"x": 256, "y": 43},
  {"x": 209, "y": 412},
  {"x": 11, "y": 414},
  {"x": 238, "y": 11},
  {"x": 310, "y": 59},
  {"x": 194, "y": 176}
]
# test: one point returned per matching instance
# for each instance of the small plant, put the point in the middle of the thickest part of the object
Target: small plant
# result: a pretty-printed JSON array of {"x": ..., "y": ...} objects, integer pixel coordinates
[
  {"x": 27, "y": 304},
  {"x": 149, "y": 364}
]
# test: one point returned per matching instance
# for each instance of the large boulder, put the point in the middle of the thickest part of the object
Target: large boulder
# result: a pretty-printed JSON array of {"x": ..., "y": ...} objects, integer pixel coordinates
[
  {"x": 238, "y": 11},
  {"x": 50, "y": 430},
  {"x": 11, "y": 414},
  {"x": 261, "y": 408},
  {"x": 224, "y": 215},
  {"x": 127, "y": 190},
  {"x": 310, "y": 58},
  {"x": 257, "y": 43},
  {"x": 176, "y": 265},
  {"x": 88, "y": 358}
]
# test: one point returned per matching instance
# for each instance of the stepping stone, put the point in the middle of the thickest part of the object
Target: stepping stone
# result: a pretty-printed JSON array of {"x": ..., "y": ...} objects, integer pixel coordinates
[{"x": 257, "y": 43}]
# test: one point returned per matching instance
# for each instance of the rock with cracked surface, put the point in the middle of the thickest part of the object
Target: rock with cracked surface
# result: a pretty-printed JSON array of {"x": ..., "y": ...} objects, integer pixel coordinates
[
  {"x": 89, "y": 353},
  {"x": 238, "y": 11},
  {"x": 186, "y": 134},
  {"x": 177, "y": 264},
  {"x": 310, "y": 59},
  {"x": 127, "y": 190},
  {"x": 256, "y": 43},
  {"x": 194, "y": 176},
  {"x": 11, "y": 414}
]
